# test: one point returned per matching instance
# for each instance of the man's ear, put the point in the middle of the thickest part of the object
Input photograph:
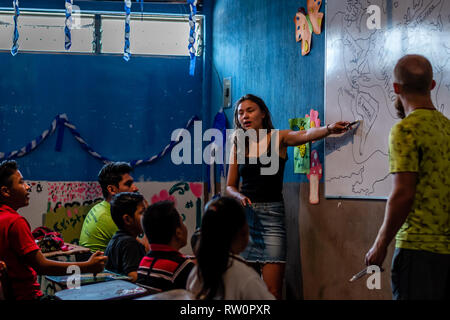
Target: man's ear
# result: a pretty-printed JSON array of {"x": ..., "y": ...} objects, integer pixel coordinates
[
  {"x": 4, "y": 192},
  {"x": 112, "y": 189},
  {"x": 127, "y": 219}
]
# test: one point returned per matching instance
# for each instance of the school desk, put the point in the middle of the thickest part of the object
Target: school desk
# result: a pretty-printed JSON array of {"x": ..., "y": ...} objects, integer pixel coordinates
[
  {"x": 108, "y": 290},
  {"x": 58, "y": 283},
  {"x": 74, "y": 250},
  {"x": 74, "y": 254}
]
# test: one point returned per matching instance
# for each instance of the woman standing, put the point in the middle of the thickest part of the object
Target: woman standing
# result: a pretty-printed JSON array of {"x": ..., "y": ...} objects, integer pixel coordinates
[{"x": 261, "y": 194}]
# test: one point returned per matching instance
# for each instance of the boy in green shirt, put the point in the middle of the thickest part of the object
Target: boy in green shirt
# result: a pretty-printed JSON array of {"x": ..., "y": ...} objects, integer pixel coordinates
[{"x": 98, "y": 226}]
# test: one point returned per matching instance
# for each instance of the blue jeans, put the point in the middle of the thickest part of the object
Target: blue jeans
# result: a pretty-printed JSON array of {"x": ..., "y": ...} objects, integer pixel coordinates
[{"x": 267, "y": 241}]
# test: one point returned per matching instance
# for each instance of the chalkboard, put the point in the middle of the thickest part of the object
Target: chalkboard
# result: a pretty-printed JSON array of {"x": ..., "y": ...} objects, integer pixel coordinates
[{"x": 364, "y": 40}]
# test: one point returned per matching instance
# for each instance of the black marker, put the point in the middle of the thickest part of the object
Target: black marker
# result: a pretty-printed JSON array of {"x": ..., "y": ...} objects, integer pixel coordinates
[{"x": 352, "y": 124}]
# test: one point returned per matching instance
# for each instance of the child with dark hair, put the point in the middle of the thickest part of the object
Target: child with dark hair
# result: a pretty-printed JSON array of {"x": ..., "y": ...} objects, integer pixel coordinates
[
  {"x": 164, "y": 267},
  {"x": 220, "y": 272},
  {"x": 98, "y": 226},
  {"x": 124, "y": 251},
  {"x": 18, "y": 248}
]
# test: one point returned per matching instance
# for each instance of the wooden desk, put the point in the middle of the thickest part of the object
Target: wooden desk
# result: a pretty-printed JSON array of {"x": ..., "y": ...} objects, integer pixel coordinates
[
  {"x": 73, "y": 250},
  {"x": 75, "y": 253},
  {"x": 109, "y": 290}
]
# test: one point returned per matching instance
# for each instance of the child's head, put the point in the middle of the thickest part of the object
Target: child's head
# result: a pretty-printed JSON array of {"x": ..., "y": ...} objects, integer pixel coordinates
[
  {"x": 14, "y": 191},
  {"x": 163, "y": 225},
  {"x": 224, "y": 230},
  {"x": 126, "y": 211}
]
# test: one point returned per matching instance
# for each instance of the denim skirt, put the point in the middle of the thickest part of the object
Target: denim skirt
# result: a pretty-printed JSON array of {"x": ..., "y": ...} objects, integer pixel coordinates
[{"x": 267, "y": 241}]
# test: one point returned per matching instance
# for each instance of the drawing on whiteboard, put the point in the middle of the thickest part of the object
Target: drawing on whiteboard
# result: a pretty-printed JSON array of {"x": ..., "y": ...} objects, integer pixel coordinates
[{"x": 359, "y": 64}]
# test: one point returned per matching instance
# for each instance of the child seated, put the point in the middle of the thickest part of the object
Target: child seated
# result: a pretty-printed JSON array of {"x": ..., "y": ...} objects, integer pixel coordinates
[
  {"x": 220, "y": 272},
  {"x": 124, "y": 252},
  {"x": 164, "y": 267},
  {"x": 17, "y": 246}
]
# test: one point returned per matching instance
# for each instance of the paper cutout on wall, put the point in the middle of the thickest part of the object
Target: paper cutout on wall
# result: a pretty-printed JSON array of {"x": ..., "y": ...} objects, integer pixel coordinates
[
  {"x": 314, "y": 121},
  {"x": 181, "y": 188},
  {"x": 302, "y": 152},
  {"x": 314, "y": 177},
  {"x": 307, "y": 23}
]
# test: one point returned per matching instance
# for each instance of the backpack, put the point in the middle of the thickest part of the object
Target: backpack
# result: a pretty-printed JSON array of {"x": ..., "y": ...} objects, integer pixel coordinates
[{"x": 49, "y": 240}]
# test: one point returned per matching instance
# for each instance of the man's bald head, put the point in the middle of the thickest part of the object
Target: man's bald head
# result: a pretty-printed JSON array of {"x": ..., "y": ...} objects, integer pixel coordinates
[{"x": 415, "y": 74}]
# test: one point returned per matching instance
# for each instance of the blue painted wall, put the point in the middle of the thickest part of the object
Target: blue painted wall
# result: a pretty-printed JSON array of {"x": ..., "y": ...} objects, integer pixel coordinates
[
  {"x": 254, "y": 43},
  {"x": 124, "y": 110}
]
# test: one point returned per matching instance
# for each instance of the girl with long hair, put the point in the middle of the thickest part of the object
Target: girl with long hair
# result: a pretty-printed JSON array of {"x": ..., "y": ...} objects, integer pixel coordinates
[{"x": 220, "y": 272}]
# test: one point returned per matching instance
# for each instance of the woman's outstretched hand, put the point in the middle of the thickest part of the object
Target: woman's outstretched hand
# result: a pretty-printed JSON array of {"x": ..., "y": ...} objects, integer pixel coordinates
[{"x": 338, "y": 127}]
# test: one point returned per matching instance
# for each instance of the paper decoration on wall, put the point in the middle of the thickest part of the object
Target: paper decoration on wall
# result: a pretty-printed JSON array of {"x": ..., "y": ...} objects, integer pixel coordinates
[
  {"x": 220, "y": 123},
  {"x": 192, "y": 35},
  {"x": 61, "y": 120},
  {"x": 126, "y": 49},
  {"x": 68, "y": 27},
  {"x": 314, "y": 121},
  {"x": 307, "y": 23},
  {"x": 15, "y": 45},
  {"x": 68, "y": 220},
  {"x": 301, "y": 153},
  {"x": 314, "y": 177}
]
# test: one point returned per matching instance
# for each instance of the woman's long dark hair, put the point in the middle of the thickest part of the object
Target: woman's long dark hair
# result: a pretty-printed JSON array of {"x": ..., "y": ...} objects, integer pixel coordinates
[{"x": 222, "y": 221}]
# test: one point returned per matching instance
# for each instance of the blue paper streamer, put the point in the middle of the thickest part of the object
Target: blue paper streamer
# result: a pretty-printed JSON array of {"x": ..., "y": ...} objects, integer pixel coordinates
[
  {"x": 60, "y": 136},
  {"x": 193, "y": 7},
  {"x": 126, "y": 49},
  {"x": 15, "y": 45},
  {"x": 68, "y": 25},
  {"x": 61, "y": 121}
]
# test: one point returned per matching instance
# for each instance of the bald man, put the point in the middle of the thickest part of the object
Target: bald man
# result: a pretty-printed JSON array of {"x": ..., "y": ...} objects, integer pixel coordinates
[{"x": 417, "y": 212}]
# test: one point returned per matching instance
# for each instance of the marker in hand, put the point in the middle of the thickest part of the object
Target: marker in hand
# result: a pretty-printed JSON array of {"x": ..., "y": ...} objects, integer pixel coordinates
[{"x": 352, "y": 124}]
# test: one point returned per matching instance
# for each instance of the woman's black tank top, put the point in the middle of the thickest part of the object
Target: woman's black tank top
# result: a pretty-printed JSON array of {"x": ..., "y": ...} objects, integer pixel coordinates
[{"x": 258, "y": 187}]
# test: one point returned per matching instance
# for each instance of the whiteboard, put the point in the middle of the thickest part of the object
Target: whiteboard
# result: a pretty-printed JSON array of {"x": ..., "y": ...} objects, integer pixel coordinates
[{"x": 358, "y": 84}]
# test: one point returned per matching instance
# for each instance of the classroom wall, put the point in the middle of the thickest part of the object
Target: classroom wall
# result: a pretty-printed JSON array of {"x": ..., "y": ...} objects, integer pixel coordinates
[
  {"x": 254, "y": 44},
  {"x": 124, "y": 110}
]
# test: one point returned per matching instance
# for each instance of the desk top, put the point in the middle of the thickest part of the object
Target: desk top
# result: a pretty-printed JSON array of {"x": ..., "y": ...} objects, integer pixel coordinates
[
  {"x": 110, "y": 290},
  {"x": 88, "y": 278},
  {"x": 73, "y": 249}
]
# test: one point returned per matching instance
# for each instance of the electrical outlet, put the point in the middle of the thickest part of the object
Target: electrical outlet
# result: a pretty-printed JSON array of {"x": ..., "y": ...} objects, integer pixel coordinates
[{"x": 227, "y": 92}]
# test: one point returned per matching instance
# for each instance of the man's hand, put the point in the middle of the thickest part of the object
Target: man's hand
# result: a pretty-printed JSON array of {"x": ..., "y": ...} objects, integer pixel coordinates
[{"x": 376, "y": 255}]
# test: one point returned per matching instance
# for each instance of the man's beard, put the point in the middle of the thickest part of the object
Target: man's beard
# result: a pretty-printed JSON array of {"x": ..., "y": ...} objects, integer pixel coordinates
[{"x": 400, "y": 109}]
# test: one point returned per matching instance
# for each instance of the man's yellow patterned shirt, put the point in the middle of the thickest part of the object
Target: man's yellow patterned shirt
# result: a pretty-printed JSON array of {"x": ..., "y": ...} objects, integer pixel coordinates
[{"x": 421, "y": 143}]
